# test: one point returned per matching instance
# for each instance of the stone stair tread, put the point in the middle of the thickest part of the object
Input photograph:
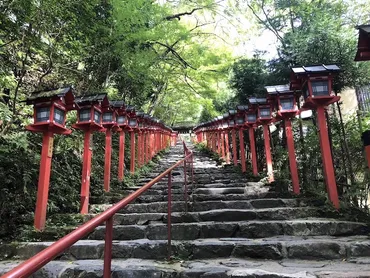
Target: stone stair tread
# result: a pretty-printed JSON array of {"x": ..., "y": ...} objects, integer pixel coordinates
[
  {"x": 275, "y": 248},
  {"x": 241, "y": 268},
  {"x": 244, "y": 229}
]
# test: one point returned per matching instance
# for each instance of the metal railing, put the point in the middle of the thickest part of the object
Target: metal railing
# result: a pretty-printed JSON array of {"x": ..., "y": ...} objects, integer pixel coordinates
[{"x": 33, "y": 264}]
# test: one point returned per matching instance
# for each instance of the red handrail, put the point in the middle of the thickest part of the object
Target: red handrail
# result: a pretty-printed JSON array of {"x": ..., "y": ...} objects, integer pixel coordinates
[{"x": 39, "y": 260}]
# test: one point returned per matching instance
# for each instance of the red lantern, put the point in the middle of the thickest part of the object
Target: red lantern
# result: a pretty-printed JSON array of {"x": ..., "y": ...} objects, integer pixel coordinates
[
  {"x": 317, "y": 90},
  {"x": 88, "y": 120},
  {"x": 363, "y": 47},
  {"x": 50, "y": 109}
]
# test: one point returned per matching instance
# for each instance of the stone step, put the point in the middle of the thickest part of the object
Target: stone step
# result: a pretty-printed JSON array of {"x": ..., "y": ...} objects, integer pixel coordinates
[
  {"x": 180, "y": 217},
  {"x": 241, "y": 229},
  {"x": 205, "y": 205},
  {"x": 216, "y": 268},
  {"x": 274, "y": 248},
  {"x": 230, "y": 197}
]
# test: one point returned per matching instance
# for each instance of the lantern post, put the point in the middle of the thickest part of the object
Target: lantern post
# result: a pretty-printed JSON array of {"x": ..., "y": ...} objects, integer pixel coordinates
[
  {"x": 109, "y": 123},
  {"x": 232, "y": 114},
  {"x": 316, "y": 83},
  {"x": 240, "y": 125},
  {"x": 265, "y": 118},
  {"x": 251, "y": 123},
  {"x": 50, "y": 109},
  {"x": 89, "y": 119},
  {"x": 286, "y": 106},
  {"x": 121, "y": 120},
  {"x": 225, "y": 138},
  {"x": 132, "y": 124}
]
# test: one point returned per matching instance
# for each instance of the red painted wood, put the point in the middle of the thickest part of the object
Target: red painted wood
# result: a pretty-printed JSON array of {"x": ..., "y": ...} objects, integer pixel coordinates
[
  {"x": 33, "y": 264},
  {"x": 132, "y": 161},
  {"x": 266, "y": 137},
  {"x": 242, "y": 151},
  {"x": 222, "y": 138},
  {"x": 235, "y": 156},
  {"x": 108, "y": 154},
  {"x": 227, "y": 147},
  {"x": 86, "y": 172},
  {"x": 327, "y": 160},
  {"x": 367, "y": 153},
  {"x": 292, "y": 156},
  {"x": 252, "y": 142},
  {"x": 121, "y": 156},
  {"x": 44, "y": 180}
]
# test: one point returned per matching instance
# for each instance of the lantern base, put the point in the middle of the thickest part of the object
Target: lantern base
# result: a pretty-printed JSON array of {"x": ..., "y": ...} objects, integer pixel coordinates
[
  {"x": 286, "y": 114},
  {"x": 49, "y": 127},
  {"x": 313, "y": 102},
  {"x": 88, "y": 126}
]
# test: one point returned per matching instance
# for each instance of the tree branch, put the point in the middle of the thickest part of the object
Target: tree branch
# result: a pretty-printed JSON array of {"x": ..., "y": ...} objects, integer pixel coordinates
[{"x": 179, "y": 15}]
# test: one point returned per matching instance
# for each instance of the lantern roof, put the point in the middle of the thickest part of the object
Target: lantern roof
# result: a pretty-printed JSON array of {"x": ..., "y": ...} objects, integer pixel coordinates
[
  {"x": 67, "y": 93},
  {"x": 363, "y": 47},
  {"x": 232, "y": 112},
  {"x": 226, "y": 115},
  {"x": 140, "y": 114},
  {"x": 92, "y": 99},
  {"x": 278, "y": 89},
  {"x": 118, "y": 104},
  {"x": 219, "y": 118},
  {"x": 257, "y": 101},
  {"x": 242, "y": 108},
  {"x": 315, "y": 69}
]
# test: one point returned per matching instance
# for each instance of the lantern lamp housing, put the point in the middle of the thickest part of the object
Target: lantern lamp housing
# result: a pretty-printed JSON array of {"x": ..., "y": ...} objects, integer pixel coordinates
[
  {"x": 132, "y": 122},
  {"x": 239, "y": 120},
  {"x": 89, "y": 114},
  {"x": 363, "y": 46},
  {"x": 317, "y": 84},
  {"x": 264, "y": 112},
  {"x": 50, "y": 109},
  {"x": 251, "y": 117}
]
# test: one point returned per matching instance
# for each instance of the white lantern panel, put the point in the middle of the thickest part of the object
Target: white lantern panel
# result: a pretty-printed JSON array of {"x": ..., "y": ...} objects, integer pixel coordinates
[
  {"x": 240, "y": 121},
  {"x": 107, "y": 117},
  {"x": 42, "y": 114},
  {"x": 121, "y": 120},
  {"x": 97, "y": 117},
  {"x": 132, "y": 122},
  {"x": 265, "y": 113},
  {"x": 251, "y": 118},
  {"x": 84, "y": 115},
  {"x": 287, "y": 103},
  {"x": 59, "y": 115},
  {"x": 320, "y": 88}
]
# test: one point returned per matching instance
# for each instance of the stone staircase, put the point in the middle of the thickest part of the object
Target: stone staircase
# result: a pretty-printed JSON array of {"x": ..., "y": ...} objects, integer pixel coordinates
[{"x": 234, "y": 228}]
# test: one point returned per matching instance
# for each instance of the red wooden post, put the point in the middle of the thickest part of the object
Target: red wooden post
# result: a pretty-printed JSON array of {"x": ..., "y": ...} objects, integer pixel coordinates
[
  {"x": 327, "y": 159},
  {"x": 266, "y": 137},
  {"x": 185, "y": 186},
  {"x": 367, "y": 153},
  {"x": 86, "y": 172},
  {"x": 132, "y": 161},
  {"x": 292, "y": 157},
  {"x": 44, "y": 179},
  {"x": 139, "y": 149},
  {"x": 108, "y": 154},
  {"x": 253, "y": 151},
  {"x": 242, "y": 150},
  {"x": 235, "y": 156},
  {"x": 121, "y": 155},
  {"x": 108, "y": 248},
  {"x": 219, "y": 143},
  {"x": 222, "y": 137},
  {"x": 227, "y": 147}
]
